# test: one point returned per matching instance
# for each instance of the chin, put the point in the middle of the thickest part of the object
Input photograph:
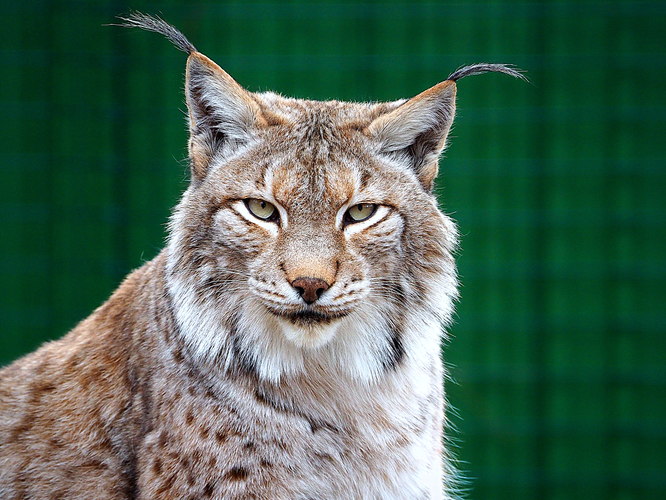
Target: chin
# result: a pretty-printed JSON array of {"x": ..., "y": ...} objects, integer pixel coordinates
[{"x": 309, "y": 330}]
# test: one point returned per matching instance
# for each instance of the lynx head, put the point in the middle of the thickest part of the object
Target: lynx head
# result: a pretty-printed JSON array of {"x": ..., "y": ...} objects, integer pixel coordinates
[{"x": 309, "y": 237}]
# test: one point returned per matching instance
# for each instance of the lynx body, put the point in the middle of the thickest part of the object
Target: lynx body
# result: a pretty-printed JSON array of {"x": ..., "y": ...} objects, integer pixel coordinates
[{"x": 286, "y": 343}]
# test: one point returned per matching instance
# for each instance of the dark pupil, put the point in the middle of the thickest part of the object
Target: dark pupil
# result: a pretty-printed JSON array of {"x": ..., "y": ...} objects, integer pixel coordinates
[{"x": 263, "y": 204}]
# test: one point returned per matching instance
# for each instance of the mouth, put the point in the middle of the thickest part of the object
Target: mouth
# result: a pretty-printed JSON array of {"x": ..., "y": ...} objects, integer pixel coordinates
[{"x": 309, "y": 317}]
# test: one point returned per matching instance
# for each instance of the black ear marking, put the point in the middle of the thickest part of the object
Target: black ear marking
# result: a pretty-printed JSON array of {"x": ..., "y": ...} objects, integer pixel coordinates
[
  {"x": 222, "y": 113},
  {"x": 416, "y": 130},
  {"x": 157, "y": 25},
  {"x": 479, "y": 68}
]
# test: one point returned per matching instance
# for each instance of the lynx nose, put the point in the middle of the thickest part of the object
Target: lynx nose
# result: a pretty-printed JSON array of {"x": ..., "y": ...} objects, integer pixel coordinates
[{"x": 310, "y": 289}]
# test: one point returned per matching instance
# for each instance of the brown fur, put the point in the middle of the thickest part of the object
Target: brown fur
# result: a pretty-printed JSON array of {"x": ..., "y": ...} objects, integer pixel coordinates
[{"x": 205, "y": 375}]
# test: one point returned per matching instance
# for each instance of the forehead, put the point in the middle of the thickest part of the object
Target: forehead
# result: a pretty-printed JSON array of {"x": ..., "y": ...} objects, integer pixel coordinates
[
  {"x": 317, "y": 156},
  {"x": 322, "y": 155},
  {"x": 317, "y": 171}
]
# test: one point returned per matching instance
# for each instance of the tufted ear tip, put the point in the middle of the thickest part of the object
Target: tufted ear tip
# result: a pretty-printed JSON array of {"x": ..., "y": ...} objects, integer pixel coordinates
[
  {"x": 418, "y": 129},
  {"x": 222, "y": 113}
]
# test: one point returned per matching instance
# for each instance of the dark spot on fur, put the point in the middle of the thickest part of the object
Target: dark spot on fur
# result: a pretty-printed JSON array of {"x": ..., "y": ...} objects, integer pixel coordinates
[
  {"x": 398, "y": 292},
  {"x": 157, "y": 466},
  {"x": 178, "y": 355},
  {"x": 56, "y": 442},
  {"x": 189, "y": 418},
  {"x": 324, "y": 456},
  {"x": 318, "y": 425},
  {"x": 236, "y": 474},
  {"x": 94, "y": 464},
  {"x": 106, "y": 444},
  {"x": 208, "y": 490},
  {"x": 244, "y": 361},
  {"x": 73, "y": 363},
  {"x": 249, "y": 445},
  {"x": 90, "y": 376},
  {"x": 162, "y": 439},
  {"x": 204, "y": 432},
  {"x": 220, "y": 437},
  {"x": 265, "y": 463},
  {"x": 44, "y": 387},
  {"x": 396, "y": 348}
]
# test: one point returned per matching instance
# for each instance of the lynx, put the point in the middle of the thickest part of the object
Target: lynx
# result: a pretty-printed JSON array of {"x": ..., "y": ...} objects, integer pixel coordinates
[{"x": 286, "y": 342}]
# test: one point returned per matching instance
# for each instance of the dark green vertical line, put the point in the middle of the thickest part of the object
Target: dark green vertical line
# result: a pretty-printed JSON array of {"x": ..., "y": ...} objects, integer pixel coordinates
[
  {"x": 539, "y": 249},
  {"x": 120, "y": 189},
  {"x": 367, "y": 28},
  {"x": 608, "y": 284},
  {"x": 629, "y": 151},
  {"x": 48, "y": 170}
]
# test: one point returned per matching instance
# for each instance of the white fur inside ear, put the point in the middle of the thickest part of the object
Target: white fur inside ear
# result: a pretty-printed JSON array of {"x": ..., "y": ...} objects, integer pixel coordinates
[
  {"x": 432, "y": 110},
  {"x": 217, "y": 101}
]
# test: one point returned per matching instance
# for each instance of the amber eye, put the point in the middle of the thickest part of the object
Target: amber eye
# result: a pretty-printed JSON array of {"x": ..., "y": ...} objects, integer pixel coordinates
[
  {"x": 262, "y": 209},
  {"x": 360, "y": 212}
]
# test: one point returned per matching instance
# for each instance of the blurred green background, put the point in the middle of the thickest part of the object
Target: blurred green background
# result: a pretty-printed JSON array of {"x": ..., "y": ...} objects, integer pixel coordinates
[{"x": 559, "y": 344}]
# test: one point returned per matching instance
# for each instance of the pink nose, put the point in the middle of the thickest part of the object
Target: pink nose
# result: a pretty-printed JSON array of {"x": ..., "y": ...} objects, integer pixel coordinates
[{"x": 310, "y": 289}]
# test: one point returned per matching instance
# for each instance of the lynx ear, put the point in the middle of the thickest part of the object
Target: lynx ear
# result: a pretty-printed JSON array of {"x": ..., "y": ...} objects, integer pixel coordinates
[
  {"x": 417, "y": 129},
  {"x": 222, "y": 113}
]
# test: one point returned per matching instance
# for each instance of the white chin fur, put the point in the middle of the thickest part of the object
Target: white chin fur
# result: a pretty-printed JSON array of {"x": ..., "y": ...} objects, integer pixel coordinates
[{"x": 308, "y": 337}]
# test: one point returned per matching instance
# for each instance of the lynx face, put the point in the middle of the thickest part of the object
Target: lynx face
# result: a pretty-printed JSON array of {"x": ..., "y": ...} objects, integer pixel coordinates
[
  {"x": 308, "y": 241},
  {"x": 309, "y": 238}
]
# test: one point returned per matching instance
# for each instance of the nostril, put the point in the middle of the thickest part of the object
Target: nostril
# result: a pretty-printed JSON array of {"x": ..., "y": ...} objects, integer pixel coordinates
[{"x": 310, "y": 289}]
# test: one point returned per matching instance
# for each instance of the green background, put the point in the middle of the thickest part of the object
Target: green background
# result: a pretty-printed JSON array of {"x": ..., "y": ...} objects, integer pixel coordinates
[{"x": 558, "y": 186}]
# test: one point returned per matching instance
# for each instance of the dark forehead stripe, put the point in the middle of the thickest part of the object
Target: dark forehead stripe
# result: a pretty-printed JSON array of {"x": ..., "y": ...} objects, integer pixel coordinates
[
  {"x": 314, "y": 161},
  {"x": 365, "y": 177}
]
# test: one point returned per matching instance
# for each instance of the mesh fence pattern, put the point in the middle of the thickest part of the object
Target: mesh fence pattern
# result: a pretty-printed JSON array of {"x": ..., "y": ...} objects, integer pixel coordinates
[{"x": 559, "y": 347}]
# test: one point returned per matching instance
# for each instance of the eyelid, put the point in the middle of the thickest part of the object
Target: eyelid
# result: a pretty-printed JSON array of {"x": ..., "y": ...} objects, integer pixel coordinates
[
  {"x": 284, "y": 219},
  {"x": 353, "y": 201},
  {"x": 381, "y": 212}
]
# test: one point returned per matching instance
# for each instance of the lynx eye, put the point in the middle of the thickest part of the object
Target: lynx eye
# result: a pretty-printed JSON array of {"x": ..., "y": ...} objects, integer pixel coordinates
[
  {"x": 360, "y": 212},
  {"x": 262, "y": 209}
]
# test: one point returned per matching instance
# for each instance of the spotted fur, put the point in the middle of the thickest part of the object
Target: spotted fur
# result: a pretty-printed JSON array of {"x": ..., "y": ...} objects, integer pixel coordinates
[{"x": 205, "y": 375}]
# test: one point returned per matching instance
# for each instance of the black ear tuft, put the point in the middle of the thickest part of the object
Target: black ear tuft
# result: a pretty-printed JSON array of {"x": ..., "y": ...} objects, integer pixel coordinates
[
  {"x": 157, "y": 25},
  {"x": 477, "y": 69}
]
